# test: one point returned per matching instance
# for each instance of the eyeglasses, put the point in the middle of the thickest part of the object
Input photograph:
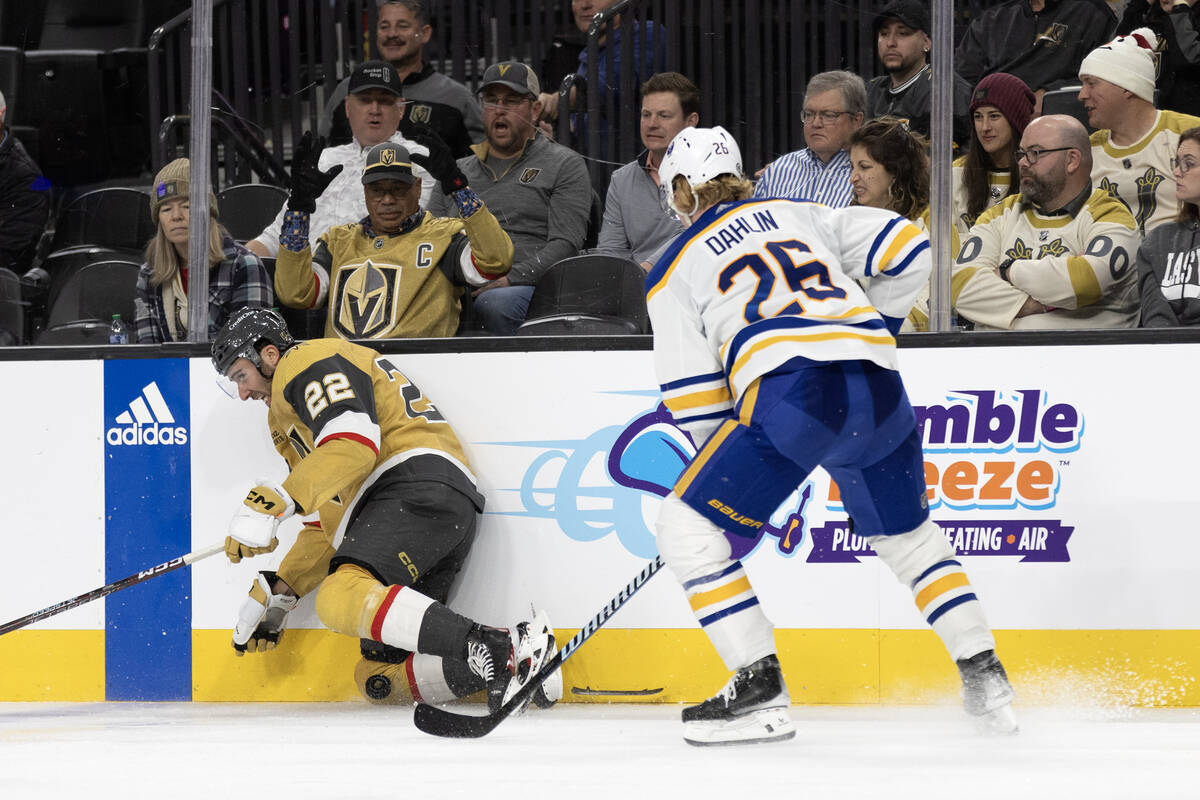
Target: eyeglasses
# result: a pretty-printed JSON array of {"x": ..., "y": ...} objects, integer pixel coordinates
[
  {"x": 1183, "y": 165},
  {"x": 1034, "y": 153},
  {"x": 508, "y": 102},
  {"x": 828, "y": 117}
]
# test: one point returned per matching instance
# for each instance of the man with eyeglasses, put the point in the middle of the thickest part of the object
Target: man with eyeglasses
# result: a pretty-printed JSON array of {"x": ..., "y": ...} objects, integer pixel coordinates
[
  {"x": 1134, "y": 142},
  {"x": 835, "y": 104},
  {"x": 538, "y": 190},
  {"x": 1057, "y": 255}
]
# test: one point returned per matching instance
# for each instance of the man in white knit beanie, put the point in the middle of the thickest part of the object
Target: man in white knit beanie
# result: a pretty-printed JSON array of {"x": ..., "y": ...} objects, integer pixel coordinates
[{"x": 1134, "y": 143}]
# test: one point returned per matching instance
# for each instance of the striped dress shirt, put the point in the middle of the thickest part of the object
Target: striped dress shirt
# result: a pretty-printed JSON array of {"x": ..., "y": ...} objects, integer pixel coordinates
[{"x": 800, "y": 175}]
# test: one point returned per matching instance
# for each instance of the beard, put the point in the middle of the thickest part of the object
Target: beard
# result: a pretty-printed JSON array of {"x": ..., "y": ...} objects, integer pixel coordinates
[{"x": 1041, "y": 190}]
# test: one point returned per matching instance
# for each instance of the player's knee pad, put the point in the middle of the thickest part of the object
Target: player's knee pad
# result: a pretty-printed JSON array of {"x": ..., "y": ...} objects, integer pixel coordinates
[
  {"x": 690, "y": 544},
  {"x": 348, "y": 599},
  {"x": 910, "y": 554},
  {"x": 381, "y": 682}
]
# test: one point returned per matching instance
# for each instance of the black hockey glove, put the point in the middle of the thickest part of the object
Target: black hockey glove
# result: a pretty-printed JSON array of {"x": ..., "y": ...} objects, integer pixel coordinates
[
  {"x": 440, "y": 162},
  {"x": 308, "y": 181}
]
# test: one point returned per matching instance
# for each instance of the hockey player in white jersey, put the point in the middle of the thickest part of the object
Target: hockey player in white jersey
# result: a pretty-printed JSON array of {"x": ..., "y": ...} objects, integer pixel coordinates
[{"x": 775, "y": 361}]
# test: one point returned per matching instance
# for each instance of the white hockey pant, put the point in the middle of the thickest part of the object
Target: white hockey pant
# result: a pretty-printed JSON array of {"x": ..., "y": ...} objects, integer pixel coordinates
[
  {"x": 716, "y": 585},
  {"x": 923, "y": 560}
]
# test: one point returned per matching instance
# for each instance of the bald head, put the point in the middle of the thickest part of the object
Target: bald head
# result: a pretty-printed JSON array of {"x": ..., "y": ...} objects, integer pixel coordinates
[{"x": 1064, "y": 166}]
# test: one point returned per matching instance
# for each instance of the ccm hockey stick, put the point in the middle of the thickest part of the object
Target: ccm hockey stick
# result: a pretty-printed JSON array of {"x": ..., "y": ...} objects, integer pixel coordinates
[
  {"x": 440, "y": 722},
  {"x": 115, "y": 586}
]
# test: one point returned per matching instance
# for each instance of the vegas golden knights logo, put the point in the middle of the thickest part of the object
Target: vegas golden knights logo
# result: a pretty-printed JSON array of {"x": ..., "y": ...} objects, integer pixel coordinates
[
  {"x": 363, "y": 299},
  {"x": 530, "y": 174},
  {"x": 387, "y": 157},
  {"x": 1055, "y": 35},
  {"x": 420, "y": 113}
]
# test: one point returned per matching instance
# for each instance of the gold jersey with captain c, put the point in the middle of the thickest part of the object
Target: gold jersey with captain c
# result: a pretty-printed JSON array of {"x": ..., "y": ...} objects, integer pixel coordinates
[
  {"x": 1140, "y": 175},
  {"x": 1079, "y": 263},
  {"x": 408, "y": 284},
  {"x": 341, "y": 415}
]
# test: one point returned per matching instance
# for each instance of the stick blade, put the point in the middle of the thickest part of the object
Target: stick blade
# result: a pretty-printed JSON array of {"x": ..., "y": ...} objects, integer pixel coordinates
[{"x": 439, "y": 722}]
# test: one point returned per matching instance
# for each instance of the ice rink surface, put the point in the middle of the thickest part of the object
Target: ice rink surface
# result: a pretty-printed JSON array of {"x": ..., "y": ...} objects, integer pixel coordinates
[{"x": 350, "y": 750}]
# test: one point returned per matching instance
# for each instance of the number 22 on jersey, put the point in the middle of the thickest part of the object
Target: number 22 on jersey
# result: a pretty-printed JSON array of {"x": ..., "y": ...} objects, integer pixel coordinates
[{"x": 803, "y": 274}]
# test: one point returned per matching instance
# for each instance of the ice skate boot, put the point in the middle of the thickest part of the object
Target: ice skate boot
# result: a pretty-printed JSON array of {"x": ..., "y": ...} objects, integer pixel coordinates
[
  {"x": 551, "y": 690},
  {"x": 987, "y": 694},
  {"x": 534, "y": 647},
  {"x": 490, "y": 656},
  {"x": 753, "y": 707}
]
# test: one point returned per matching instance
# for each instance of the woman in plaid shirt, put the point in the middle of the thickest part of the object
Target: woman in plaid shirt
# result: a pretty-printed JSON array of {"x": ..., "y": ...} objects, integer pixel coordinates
[{"x": 237, "y": 278}]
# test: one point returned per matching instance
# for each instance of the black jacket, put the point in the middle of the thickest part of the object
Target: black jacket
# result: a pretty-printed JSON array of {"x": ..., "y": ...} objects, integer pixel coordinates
[
  {"x": 1042, "y": 49},
  {"x": 24, "y": 204},
  {"x": 1179, "y": 68}
]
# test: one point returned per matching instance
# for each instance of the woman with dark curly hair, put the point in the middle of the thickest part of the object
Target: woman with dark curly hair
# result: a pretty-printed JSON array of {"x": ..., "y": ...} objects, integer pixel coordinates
[{"x": 889, "y": 167}]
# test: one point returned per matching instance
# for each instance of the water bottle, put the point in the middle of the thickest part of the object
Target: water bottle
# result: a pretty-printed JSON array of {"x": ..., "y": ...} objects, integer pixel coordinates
[{"x": 117, "y": 332}]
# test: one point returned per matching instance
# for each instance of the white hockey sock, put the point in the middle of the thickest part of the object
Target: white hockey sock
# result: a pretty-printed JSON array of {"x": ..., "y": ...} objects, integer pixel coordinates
[
  {"x": 727, "y": 609},
  {"x": 923, "y": 560},
  {"x": 718, "y": 590},
  {"x": 397, "y": 622}
]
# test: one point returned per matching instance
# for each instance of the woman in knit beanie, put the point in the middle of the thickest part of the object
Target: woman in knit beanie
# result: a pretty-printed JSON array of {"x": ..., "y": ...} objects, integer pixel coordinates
[
  {"x": 236, "y": 277},
  {"x": 1001, "y": 107}
]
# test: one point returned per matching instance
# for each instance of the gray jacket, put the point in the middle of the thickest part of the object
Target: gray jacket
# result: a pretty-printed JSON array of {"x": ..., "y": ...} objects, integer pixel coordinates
[
  {"x": 1168, "y": 265},
  {"x": 542, "y": 200},
  {"x": 635, "y": 224}
]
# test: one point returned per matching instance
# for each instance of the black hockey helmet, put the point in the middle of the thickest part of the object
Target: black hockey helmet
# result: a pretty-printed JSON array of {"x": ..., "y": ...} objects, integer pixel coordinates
[{"x": 241, "y": 335}]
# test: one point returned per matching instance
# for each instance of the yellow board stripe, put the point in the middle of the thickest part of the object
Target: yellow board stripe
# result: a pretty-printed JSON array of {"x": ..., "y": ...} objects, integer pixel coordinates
[
  {"x": 699, "y": 601},
  {"x": 941, "y": 586},
  {"x": 715, "y": 441},
  {"x": 707, "y": 397}
]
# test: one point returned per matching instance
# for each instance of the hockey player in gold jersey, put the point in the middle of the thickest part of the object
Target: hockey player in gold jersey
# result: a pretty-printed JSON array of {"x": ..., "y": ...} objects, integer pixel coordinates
[
  {"x": 390, "y": 508},
  {"x": 400, "y": 272}
]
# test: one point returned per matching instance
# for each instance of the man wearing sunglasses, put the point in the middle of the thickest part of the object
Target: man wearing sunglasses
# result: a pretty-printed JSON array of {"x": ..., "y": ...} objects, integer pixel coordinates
[{"x": 1057, "y": 255}]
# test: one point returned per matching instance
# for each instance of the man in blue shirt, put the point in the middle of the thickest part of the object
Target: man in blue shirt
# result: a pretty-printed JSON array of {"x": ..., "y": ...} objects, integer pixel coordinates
[{"x": 835, "y": 104}]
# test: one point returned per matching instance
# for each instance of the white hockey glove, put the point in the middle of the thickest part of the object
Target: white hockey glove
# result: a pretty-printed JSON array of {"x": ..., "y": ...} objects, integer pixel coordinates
[
  {"x": 262, "y": 617},
  {"x": 252, "y": 529}
]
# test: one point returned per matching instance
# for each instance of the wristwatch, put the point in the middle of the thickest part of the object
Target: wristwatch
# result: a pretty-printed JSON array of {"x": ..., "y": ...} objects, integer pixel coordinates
[{"x": 1005, "y": 266}]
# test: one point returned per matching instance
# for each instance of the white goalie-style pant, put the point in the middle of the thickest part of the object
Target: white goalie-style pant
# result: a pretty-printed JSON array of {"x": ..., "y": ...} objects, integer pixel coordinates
[{"x": 724, "y": 603}]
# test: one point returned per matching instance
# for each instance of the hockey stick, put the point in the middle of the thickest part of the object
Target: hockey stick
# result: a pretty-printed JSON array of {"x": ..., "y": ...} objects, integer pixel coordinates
[
  {"x": 115, "y": 586},
  {"x": 440, "y": 722}
]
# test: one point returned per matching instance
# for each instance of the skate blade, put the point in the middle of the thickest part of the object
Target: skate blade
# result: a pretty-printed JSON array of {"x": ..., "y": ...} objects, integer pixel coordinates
[
  {"x": 766, "y": 725},
  {"x": 1001, "y": 721}
]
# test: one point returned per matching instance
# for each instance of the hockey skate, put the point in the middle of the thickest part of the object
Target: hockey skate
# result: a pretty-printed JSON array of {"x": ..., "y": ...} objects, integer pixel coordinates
[
  {"x": 987, "y": 694},
  {"x": 490, "y": 656},
  {"x": 752, "y": 708},
  {"x": 535, "y": 647},
  {"x": 551, "y": 690}
]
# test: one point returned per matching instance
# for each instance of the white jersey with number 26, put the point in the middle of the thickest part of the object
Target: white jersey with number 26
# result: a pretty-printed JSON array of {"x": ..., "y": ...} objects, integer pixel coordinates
[{"x": 753, "y": 284}]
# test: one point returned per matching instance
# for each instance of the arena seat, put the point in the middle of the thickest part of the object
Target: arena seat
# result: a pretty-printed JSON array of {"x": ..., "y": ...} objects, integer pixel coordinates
[
  {"x": 116, "y": 217},
  {"x": 93, "y": 25},
  {"x": 84, "y": 332},
  {"x": 12, "y": 62},
  {"x": 1066, "y": 101},
  {"x": 96, "y": 292},
  {"x": 12, "y": 309},
  {"x": 592, "y": 294},
  {"x": 247, "y": 208}
]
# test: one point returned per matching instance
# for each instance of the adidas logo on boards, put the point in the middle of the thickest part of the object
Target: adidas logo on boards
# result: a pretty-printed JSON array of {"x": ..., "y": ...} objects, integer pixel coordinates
[{"x": 148, "y": 421}]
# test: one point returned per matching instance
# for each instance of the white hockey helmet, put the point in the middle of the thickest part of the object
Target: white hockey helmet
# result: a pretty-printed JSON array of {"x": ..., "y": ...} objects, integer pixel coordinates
[{"x": 699, "y": 155}]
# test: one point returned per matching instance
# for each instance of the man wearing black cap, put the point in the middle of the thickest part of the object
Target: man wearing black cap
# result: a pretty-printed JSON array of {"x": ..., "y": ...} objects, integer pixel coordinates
[
  {"x": 905, "y": 89},
  {"x": 400, "y": 271},
  {"x": 373, "y": 107},
  {"x": 430, "y": 98},
  {"x": 539, "y": 190}
]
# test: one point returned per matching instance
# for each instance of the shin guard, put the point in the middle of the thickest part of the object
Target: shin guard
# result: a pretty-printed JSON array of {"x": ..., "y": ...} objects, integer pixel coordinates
[{"x": 923, "y": 560}]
